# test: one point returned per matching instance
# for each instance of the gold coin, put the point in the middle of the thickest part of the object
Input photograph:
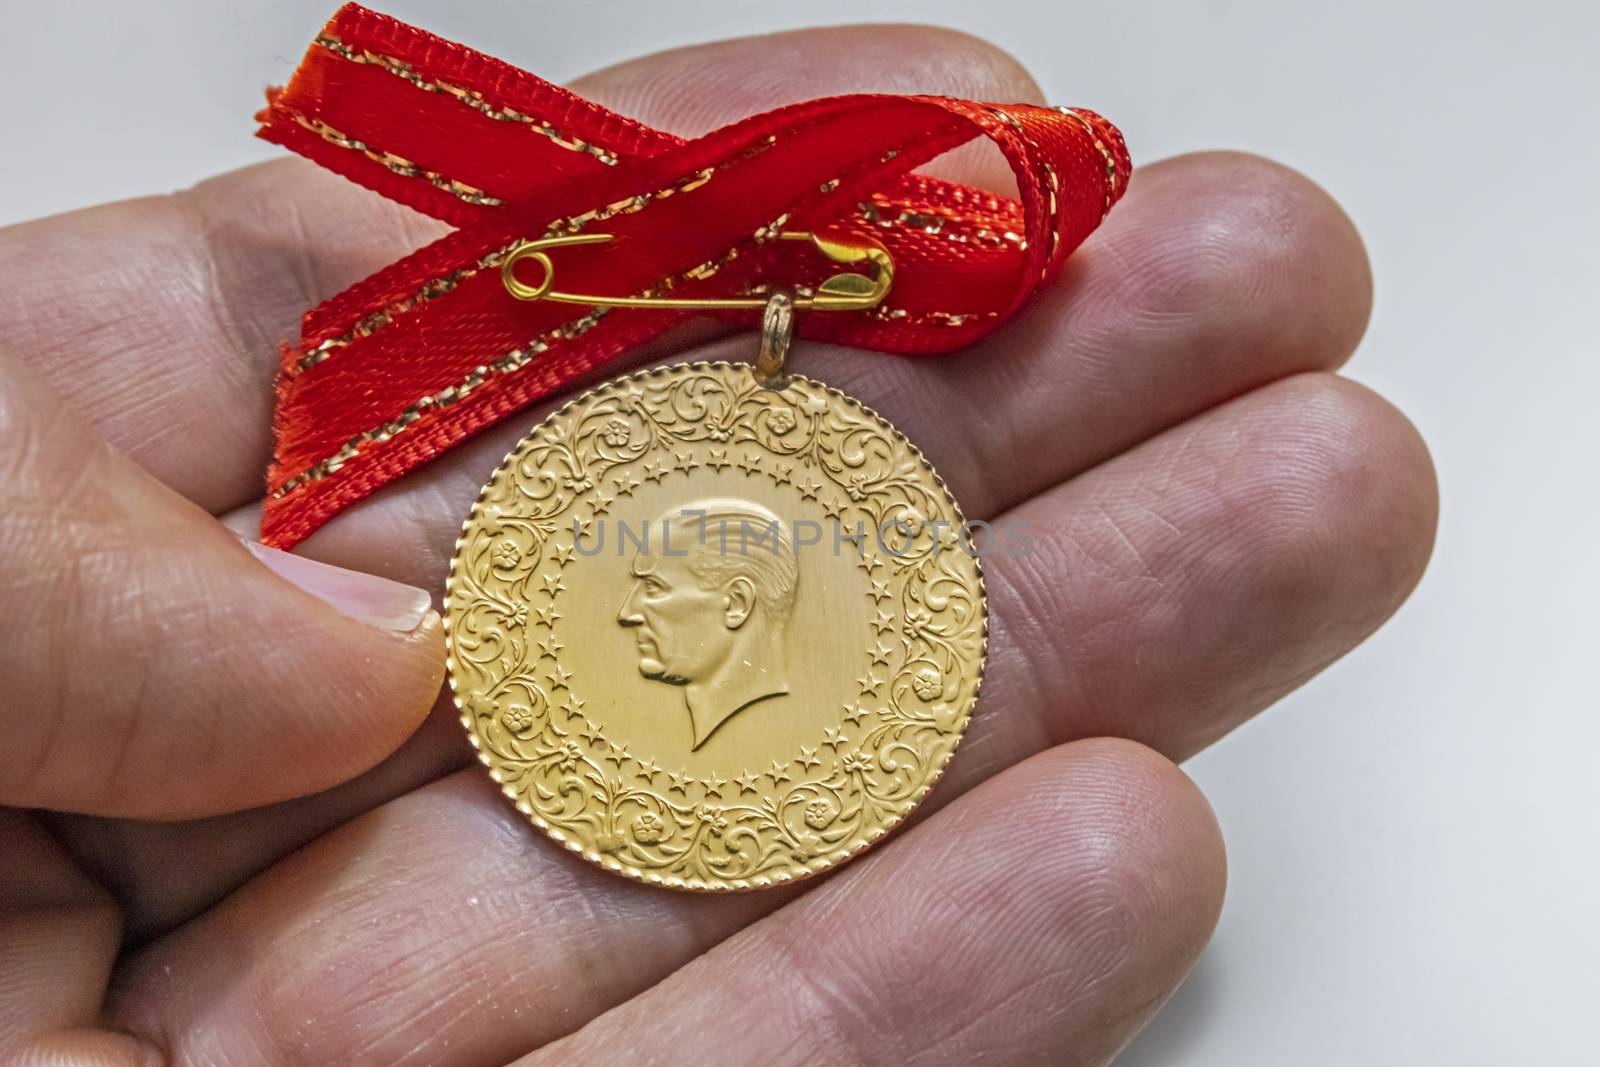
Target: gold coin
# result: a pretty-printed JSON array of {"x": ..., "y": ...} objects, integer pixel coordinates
[{"x": 714, "y": 635}]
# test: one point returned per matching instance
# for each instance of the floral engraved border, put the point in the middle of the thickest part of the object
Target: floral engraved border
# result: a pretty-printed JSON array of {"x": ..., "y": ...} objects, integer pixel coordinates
[{"x": 803, "y": 812}]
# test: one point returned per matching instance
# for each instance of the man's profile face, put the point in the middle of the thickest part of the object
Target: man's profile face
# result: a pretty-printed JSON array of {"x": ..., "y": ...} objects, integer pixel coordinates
[{"x": 681, "y": 629}]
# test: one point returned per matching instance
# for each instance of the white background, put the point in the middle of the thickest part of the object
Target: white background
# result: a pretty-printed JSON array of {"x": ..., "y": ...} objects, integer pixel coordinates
[{"x": 1413, "y": 839}]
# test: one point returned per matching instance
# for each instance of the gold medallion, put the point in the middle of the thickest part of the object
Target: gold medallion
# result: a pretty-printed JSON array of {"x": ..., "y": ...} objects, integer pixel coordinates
[{"x": 715, "y": 634}]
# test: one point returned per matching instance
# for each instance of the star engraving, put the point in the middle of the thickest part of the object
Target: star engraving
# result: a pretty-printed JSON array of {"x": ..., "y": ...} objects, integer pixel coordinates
[
  {"x": 648, "y": 769},
  {"x": 654, "y": 472},
  {"x": 879, "y": 654},
  {"x": 880, "y": 590},
  {"x": 746, "y": 781},
  {"x": 618, "y": 754},
  {"x": 601, "y": 502},
  {"x": 809, "y": 489},
  {"x": 560, "y": 677},
  {"x": 718, "y": 460},
  {"x": 834, "y": 507},
  {"x": 589, "y": 734},
  {"x": 626, "y": 484},
  {"x": 778, "y": 772},
  {"x": 550, "y": 647},
  {"x": 883, "y": 622},
  {"x": 564, "y": 555},
  {"x": 782, "y": 477},
  {"x": 750, "y": 463},
  {"x": 833, "y": 738},
  {"x": 548, "y": 615},
  {"x": 854, "y": 713},
  {"x": 869, "y": 683},
  {"x": 714, "y": 785},
  {"x": 808, "y": 757},
  {"x": 553, "y": 584},
  {"x": 686, "y": 461},
  {"x": 574, "y": 704},
  {"x": 678, "y": 780}
]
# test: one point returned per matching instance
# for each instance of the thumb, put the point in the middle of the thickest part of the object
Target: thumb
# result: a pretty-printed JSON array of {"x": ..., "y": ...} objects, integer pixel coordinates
[{"x": 156, "y": 666}]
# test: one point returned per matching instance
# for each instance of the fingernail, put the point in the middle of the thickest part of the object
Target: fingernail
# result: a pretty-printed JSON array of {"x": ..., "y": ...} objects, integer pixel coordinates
[{"x": 376, "y": 601}]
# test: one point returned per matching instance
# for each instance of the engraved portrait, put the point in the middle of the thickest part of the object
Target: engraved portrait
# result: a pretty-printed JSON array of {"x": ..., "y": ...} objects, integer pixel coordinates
[{"x": 712, "y": 592}]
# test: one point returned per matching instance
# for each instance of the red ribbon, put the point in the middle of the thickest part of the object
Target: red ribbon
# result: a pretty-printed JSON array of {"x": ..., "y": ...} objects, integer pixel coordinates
[{"x": 413, "y": 360}]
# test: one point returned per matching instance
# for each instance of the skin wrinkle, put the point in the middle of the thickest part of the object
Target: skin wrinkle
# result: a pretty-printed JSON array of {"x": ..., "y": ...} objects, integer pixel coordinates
[
  {"x": 60, "y": 626},
  {"x": 316, "y": 260},
  {"x": 575, "y": 897},
  {"x": 219, "y": 300},
  {"x": 137, "y": 418},
  {"x": 1158, "y": 480},
  {"x": 1071, "y": 964},
  {"x": 138, "y": 712},
  {"x": 1011, "y": 613},
  {"x": 1004, "y": 908},
  {"x": 89, "y": 925},
  {"x": 935, "y": 1046},
  {"x": 312, "y": 277},
  {"x": 1110, "y": 522},
  {"x": 72, "y": 338},
  {"x": 278, "y": 982},
  {"x": 831, "y": 1020},
  {"x": 69, "y": 927},
  {"x": 370, "y": 1039},
  {"x": 248, "y": 370},
  {"x": 136, "y": 707},
  {"x": 360, "y": 1053}
]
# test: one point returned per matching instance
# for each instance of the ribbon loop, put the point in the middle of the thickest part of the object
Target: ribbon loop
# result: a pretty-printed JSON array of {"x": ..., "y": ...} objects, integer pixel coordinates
[{"x": 432, "y": 349}]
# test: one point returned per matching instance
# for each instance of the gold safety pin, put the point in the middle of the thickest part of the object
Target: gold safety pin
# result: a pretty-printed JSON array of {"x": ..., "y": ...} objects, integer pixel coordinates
[{"x": 846, "y": 291}]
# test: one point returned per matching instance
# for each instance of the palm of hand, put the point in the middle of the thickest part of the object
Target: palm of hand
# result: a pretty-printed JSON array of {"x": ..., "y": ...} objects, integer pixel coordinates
[{"x": 1219, "y": 518}]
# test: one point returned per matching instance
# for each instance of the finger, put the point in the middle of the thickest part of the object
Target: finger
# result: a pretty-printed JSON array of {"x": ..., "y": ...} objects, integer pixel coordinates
[
  {"x": 1075, "y": 890},
  {"x": 1174, "y": 592},
  {"x": 58, "y": 939},
  {"x": 164, "y": 672},
  {"x": 1093, "y": 819},
  {"x": 163, "y": 873},
  {"x": 1192, "y": 581},
  {"x": 161, "y": 317}
]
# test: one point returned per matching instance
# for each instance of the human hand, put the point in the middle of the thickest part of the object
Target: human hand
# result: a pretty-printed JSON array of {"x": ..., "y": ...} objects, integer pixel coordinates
[{"x": 1216, "y": 518}]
